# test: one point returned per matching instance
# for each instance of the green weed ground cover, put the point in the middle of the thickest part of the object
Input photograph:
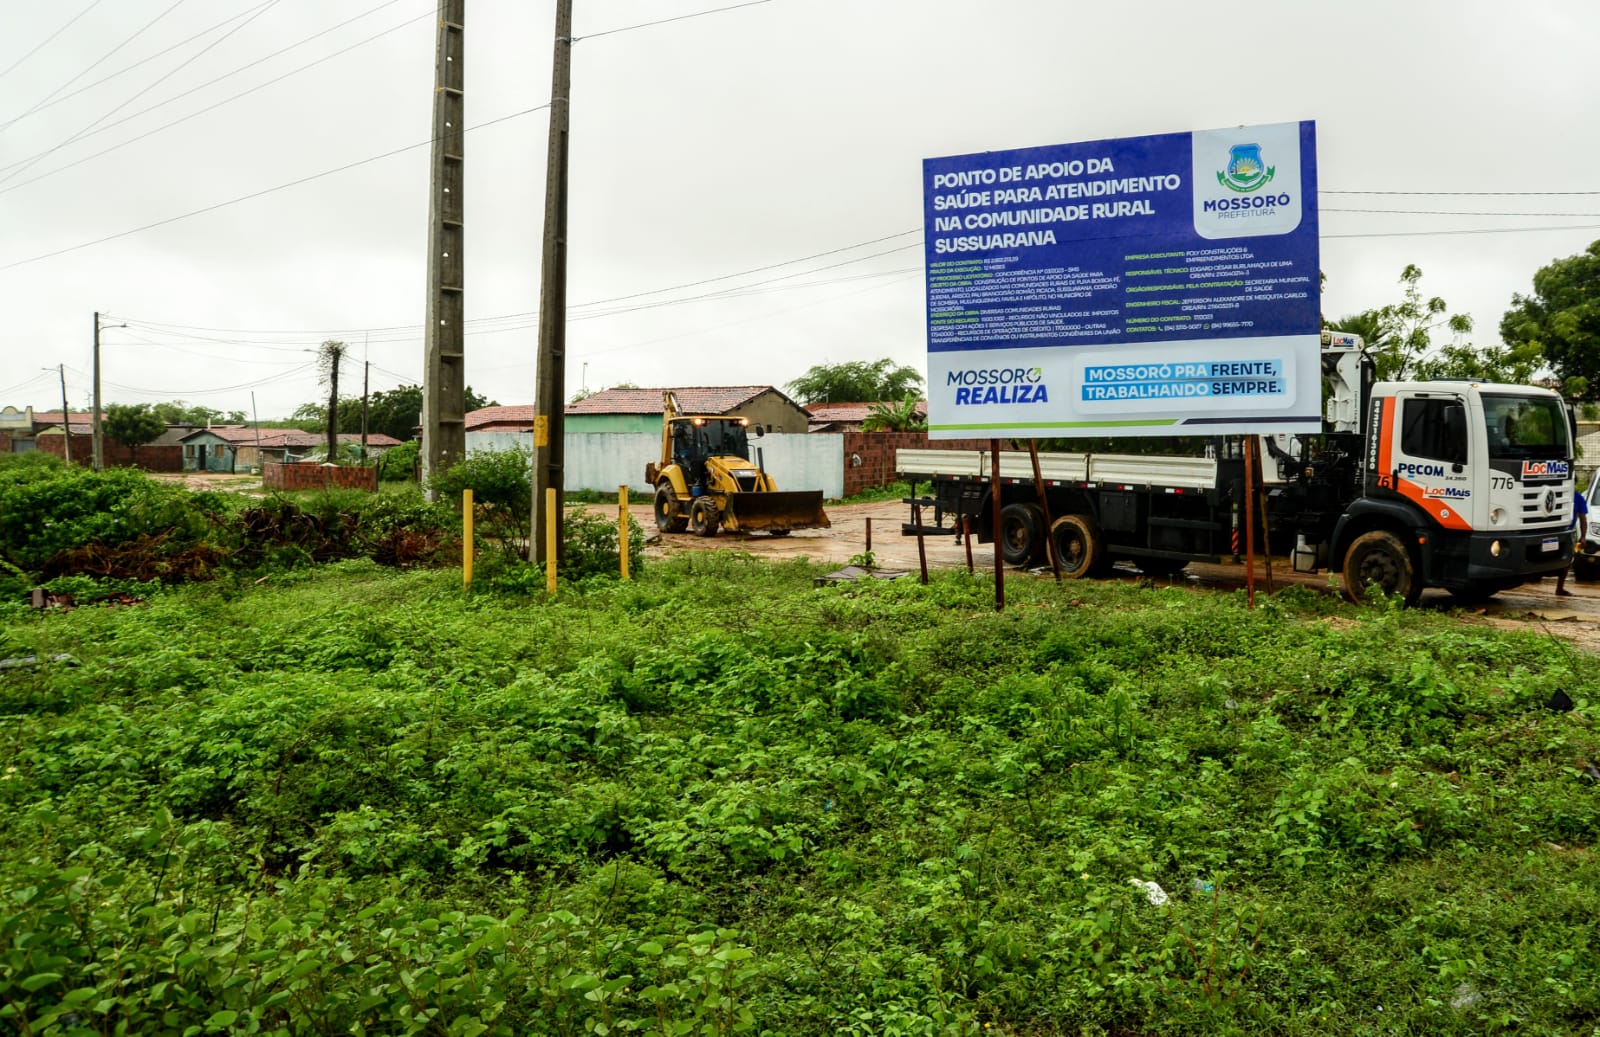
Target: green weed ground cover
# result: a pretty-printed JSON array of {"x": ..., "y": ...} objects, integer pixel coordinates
[{"x": 718, "y": 800}]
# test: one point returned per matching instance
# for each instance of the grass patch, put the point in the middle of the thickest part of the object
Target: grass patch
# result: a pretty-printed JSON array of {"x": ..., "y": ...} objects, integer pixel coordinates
[{"x": 717, "y": 799}]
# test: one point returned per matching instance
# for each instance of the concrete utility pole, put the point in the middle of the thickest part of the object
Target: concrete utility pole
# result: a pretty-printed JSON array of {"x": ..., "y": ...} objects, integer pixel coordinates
[
  {"x": 66, "y": 414},
  {"x": 99, "y": 436},
  {"x": 99, "y": 441},
  {"x": 549, "y": 409},
  {"x": 444, "y": 391},
  {"x": 366, "y": 377}
]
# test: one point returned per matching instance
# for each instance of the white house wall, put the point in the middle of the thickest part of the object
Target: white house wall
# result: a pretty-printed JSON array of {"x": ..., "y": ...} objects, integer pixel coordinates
[{"x": 605, "y": 460}]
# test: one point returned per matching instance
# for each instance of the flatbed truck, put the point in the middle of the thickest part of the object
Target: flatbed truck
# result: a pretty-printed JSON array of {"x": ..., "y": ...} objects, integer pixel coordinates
[{"x": 1461, "y": 485}]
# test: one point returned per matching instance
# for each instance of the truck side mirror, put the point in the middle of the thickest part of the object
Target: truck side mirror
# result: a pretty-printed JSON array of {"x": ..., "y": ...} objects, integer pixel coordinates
[{"x": 760, "y": 431}]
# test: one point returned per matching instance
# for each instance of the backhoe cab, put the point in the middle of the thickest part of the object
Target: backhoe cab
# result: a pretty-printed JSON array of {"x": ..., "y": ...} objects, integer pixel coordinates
[{"x": 705, "y": 480}]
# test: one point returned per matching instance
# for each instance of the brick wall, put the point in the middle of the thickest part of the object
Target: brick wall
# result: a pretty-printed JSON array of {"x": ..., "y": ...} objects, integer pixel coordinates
[
  {"x": 876, "y": 450},
  {"x": 318, "y": 477},
  {"x": 150, "y": 458}
]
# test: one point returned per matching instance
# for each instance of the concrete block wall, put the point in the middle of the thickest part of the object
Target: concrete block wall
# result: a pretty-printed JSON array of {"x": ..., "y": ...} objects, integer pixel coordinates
[
  {"x": 602, "y": 461},
  {"x": 167, "y": 458},
  {"x": 318, "y": 477},
  {"x": 869, "y": 456}
]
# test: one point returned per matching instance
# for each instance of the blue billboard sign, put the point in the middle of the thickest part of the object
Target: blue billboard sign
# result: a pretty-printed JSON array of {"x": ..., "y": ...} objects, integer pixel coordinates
[{"x": 1163, "y": 285}]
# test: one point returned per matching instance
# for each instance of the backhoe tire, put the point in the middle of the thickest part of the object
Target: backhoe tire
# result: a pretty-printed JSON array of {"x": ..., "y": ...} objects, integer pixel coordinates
[
  {"x": 1080, "y": 547},
  {"x": 1022, "y": 534},
  {"x": 703, "y": 518},
  {"x": 669, "y": 516},
  {"x": 1379, "y": 558}
]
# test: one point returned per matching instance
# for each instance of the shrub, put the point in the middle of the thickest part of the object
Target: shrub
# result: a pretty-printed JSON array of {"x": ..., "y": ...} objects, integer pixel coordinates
[
  {"x": 400, "y": 463},
  {"x": 501, "y": 482}
]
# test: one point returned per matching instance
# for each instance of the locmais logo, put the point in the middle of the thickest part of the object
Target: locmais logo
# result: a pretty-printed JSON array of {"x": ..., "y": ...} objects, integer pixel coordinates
[{"x": 1246, "y": 171}]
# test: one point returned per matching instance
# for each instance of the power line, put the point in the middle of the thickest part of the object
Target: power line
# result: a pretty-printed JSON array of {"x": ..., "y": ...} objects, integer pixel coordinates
[
  {"x": 664, "y": 21},
  {"x": 180, "y": 393},
  {"x": 1441, "y": 212},
  {"x": 41, "y": 45},
  {"x": 259, "y": 11},
  {"x": 102, "y": 59},
  {"x": 1471, "y": 194},
  {"x": 185, "y": 42},
  {"x": 258, "y": 194},
  {"x": 208, "y": 108},
  {"x": 1467, "y": 230}
]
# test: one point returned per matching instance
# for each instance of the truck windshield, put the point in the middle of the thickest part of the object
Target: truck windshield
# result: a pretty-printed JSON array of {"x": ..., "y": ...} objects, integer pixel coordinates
[{"x": 1523, "y": 428}]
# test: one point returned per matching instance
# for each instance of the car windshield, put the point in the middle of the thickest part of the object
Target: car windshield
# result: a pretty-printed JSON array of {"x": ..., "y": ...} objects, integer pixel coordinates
[{"x": 1525, "y": 428}]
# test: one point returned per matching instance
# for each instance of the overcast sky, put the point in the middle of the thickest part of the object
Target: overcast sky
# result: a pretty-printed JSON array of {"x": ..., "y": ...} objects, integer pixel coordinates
[{"x": 719, "y": 145}]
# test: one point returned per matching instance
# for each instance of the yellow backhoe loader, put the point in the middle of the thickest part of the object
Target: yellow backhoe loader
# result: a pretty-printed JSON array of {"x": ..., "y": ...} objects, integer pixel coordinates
[{"x": 705, "y": 480}]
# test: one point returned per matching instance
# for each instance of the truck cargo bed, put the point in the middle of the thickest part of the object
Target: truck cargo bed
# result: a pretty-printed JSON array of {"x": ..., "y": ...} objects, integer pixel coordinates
[{"x": 1190, "y": 473}]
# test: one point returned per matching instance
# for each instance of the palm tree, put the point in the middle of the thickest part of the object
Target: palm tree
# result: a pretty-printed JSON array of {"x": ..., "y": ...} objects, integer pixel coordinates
[
  {"x": 329, "y": 357},
  {"x": 894, "y": 416}
]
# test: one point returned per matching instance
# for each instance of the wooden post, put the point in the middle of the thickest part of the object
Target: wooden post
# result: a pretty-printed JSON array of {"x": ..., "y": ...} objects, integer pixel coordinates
[
  {"x": 1044, "y": 505},
  {"x": 1261, "y": 505},
  {"x": 994, "y": 527},
  {"x": 552, "y": 542},
  {"x": 869, "y": 534},
  {"x": 1249, "y": 522},
  {"x": 623, "y": 527},
  {"x": 966, "y": 538},
  {"x": 922, "y": 546},
  {"x": 466, "y": 539}
]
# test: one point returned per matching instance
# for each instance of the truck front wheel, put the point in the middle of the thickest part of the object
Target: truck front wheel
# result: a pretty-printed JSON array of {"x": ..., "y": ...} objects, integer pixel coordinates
[
  {"x": 1079, "y": 546},
  {"x": 1379, "y": 558}
]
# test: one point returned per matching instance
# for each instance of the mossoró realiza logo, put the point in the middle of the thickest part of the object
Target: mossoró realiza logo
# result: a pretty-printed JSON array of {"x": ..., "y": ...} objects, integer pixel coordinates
[{"x": 981, "y": 385}]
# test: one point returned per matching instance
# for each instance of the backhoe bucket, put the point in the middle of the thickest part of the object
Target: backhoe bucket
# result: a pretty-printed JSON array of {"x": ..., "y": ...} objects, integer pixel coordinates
[{"x": 774, "y": 511}]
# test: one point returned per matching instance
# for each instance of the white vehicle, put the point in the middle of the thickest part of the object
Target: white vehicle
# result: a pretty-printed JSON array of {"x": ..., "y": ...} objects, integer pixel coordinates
[{"x": 1586, "y": 566}]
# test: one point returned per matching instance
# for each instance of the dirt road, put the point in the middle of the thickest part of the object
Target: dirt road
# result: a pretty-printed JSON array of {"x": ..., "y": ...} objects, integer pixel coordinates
[{"x": 1534, "y": 606}]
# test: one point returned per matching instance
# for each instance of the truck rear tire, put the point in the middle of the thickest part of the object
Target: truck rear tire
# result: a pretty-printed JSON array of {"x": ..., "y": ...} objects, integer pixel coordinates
[
  {"x": 1079, "y": 546},
  {"x": 703, "y": 518},
  {"x": 1380, "y": 558},
  {"x": 669, "y": 517},
  {"x": 1022, "y": 533}
]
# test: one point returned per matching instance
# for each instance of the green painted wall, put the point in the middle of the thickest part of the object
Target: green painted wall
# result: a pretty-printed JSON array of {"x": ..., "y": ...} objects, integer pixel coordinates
[{"x": 584, "y": 423}]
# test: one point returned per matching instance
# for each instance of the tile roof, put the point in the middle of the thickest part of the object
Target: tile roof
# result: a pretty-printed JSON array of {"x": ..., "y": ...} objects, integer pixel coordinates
[
  {"x": 288, "y": 438},
  {"x": 520, "y": 416},
  {"x": 693, "y": 399},
  {"x": 850, "y": 413}
]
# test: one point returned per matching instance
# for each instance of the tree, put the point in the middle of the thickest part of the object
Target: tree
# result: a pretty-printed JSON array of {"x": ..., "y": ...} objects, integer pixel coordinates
[
  {"x": 857, "y": 381},
  {"x": 1399, "y": 335},
  {"x": 396, "y": 412},
  {"x": 1561, "y": 319},
  {"x": 313, "y": 417},
  {"x": 133, "y": 425},
  {"x": 894, "y": 417},
  {"x": 1514, "y": 364},
  {"x": 329, "y": 357}
]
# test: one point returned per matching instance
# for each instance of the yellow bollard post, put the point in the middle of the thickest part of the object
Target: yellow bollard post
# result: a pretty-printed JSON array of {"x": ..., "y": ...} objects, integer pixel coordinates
[
  {"x": 466, "y": 539},
  {"x": 623, "y": 526},
  {"x": 551, "y": 547}
]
